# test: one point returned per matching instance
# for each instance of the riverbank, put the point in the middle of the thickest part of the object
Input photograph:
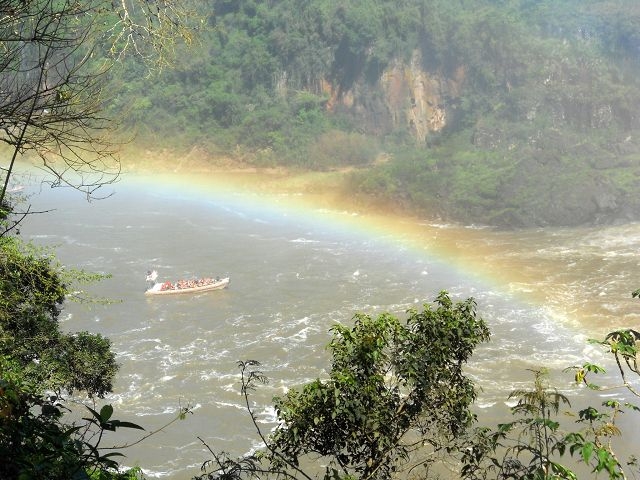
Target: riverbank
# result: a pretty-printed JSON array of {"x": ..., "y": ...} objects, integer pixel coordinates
[
  {"x": 551, "y": 195},
  {"x": 327, "y": 189}
]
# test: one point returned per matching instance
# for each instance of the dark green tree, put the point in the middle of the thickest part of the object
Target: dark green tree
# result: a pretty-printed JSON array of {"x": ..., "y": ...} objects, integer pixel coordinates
[
  {"x": 31, "y": 296},
  {"x": 37, "y": 358},
  {"x": 37, "y": 439},
  {"x": 395, "y": 392},
  {"x": 37, "y": 443}
]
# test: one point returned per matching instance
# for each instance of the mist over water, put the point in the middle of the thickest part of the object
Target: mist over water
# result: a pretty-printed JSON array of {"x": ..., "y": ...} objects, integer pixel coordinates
[{"x": 296, "y": 272}]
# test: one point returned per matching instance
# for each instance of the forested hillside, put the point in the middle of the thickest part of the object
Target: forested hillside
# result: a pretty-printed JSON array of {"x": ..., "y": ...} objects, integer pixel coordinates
[{"x": 506, "y": 112}]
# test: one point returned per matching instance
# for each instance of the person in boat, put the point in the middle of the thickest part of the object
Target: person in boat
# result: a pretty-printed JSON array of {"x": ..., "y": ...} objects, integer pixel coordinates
[
  {"x": 181, "y": 284},
  {"x": 152, "y": 275}
]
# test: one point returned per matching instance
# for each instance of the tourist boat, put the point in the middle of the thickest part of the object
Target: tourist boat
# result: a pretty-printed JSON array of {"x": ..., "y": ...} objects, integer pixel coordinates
[{"x": 185, "y": 286}]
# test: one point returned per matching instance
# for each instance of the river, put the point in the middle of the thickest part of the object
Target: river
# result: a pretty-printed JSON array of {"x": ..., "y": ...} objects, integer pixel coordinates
[{"x": 298, "y": 266}]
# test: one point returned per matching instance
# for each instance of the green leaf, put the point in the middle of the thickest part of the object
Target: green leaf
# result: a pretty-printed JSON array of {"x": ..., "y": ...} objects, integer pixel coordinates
[
  {"x": 562, "y": 472},
  {"x": 593, "y": 368},
  {"x": 587, "y": 451},
  {"x": 632, "y": 406},
  {"x": 113, "y": 454},
  {"x": 589, "y": 414},
  {"x": 105, "y": 413},
  {"x": 119, "y": 424}
]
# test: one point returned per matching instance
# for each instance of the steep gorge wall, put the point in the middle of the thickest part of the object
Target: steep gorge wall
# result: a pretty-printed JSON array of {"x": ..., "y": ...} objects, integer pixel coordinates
[
  {"x": 566, "y": 144},
  {"x": 406, "y": 97}
]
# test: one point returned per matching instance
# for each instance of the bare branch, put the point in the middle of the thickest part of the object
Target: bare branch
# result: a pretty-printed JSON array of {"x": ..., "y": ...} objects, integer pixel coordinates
[{"x": 54, "y": 60}]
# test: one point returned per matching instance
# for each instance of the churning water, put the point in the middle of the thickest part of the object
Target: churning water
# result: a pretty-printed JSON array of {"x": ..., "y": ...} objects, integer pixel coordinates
[{"x": 295, "y": 271}]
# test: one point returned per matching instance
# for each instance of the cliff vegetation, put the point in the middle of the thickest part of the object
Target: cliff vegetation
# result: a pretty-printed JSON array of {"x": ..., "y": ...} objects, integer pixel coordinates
[{"x": 504, "y": 112}]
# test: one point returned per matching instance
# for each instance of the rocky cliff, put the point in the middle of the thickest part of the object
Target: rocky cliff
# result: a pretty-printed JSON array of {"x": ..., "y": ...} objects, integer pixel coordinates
[
  {"x": 406, "y": 97},
  {"x": 571, "y": 139}
]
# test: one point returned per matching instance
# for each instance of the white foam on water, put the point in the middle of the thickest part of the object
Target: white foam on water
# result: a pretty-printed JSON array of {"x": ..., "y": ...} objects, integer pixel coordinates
[{"x": 304, "y": 240}]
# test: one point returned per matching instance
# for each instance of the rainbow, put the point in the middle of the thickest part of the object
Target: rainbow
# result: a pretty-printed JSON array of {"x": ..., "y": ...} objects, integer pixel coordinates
[
  {"x": 473, "y": 253},
  {"x": 516, "y": 265}
]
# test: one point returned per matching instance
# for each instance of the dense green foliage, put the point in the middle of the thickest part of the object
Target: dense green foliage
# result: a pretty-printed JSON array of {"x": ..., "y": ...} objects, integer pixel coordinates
[
  {"x": 37, "y": 358},
  {"x": 38, "y": 443},
  {"x": 31, "y": 295},
  {"x": 381, "y": 410},
  {"x": 534, "y": 444},
  {"x": 539, "y": 100},
  {"x": 389, "y": 385},
  {"x": 395, "y": 392}
]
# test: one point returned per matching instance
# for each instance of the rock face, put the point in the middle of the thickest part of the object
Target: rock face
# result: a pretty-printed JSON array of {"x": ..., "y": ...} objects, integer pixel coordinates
[
  {"x": 416, "y": 98},
  {"x": 569, "y": 167},
  {"x": 407, "y": 97}
]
